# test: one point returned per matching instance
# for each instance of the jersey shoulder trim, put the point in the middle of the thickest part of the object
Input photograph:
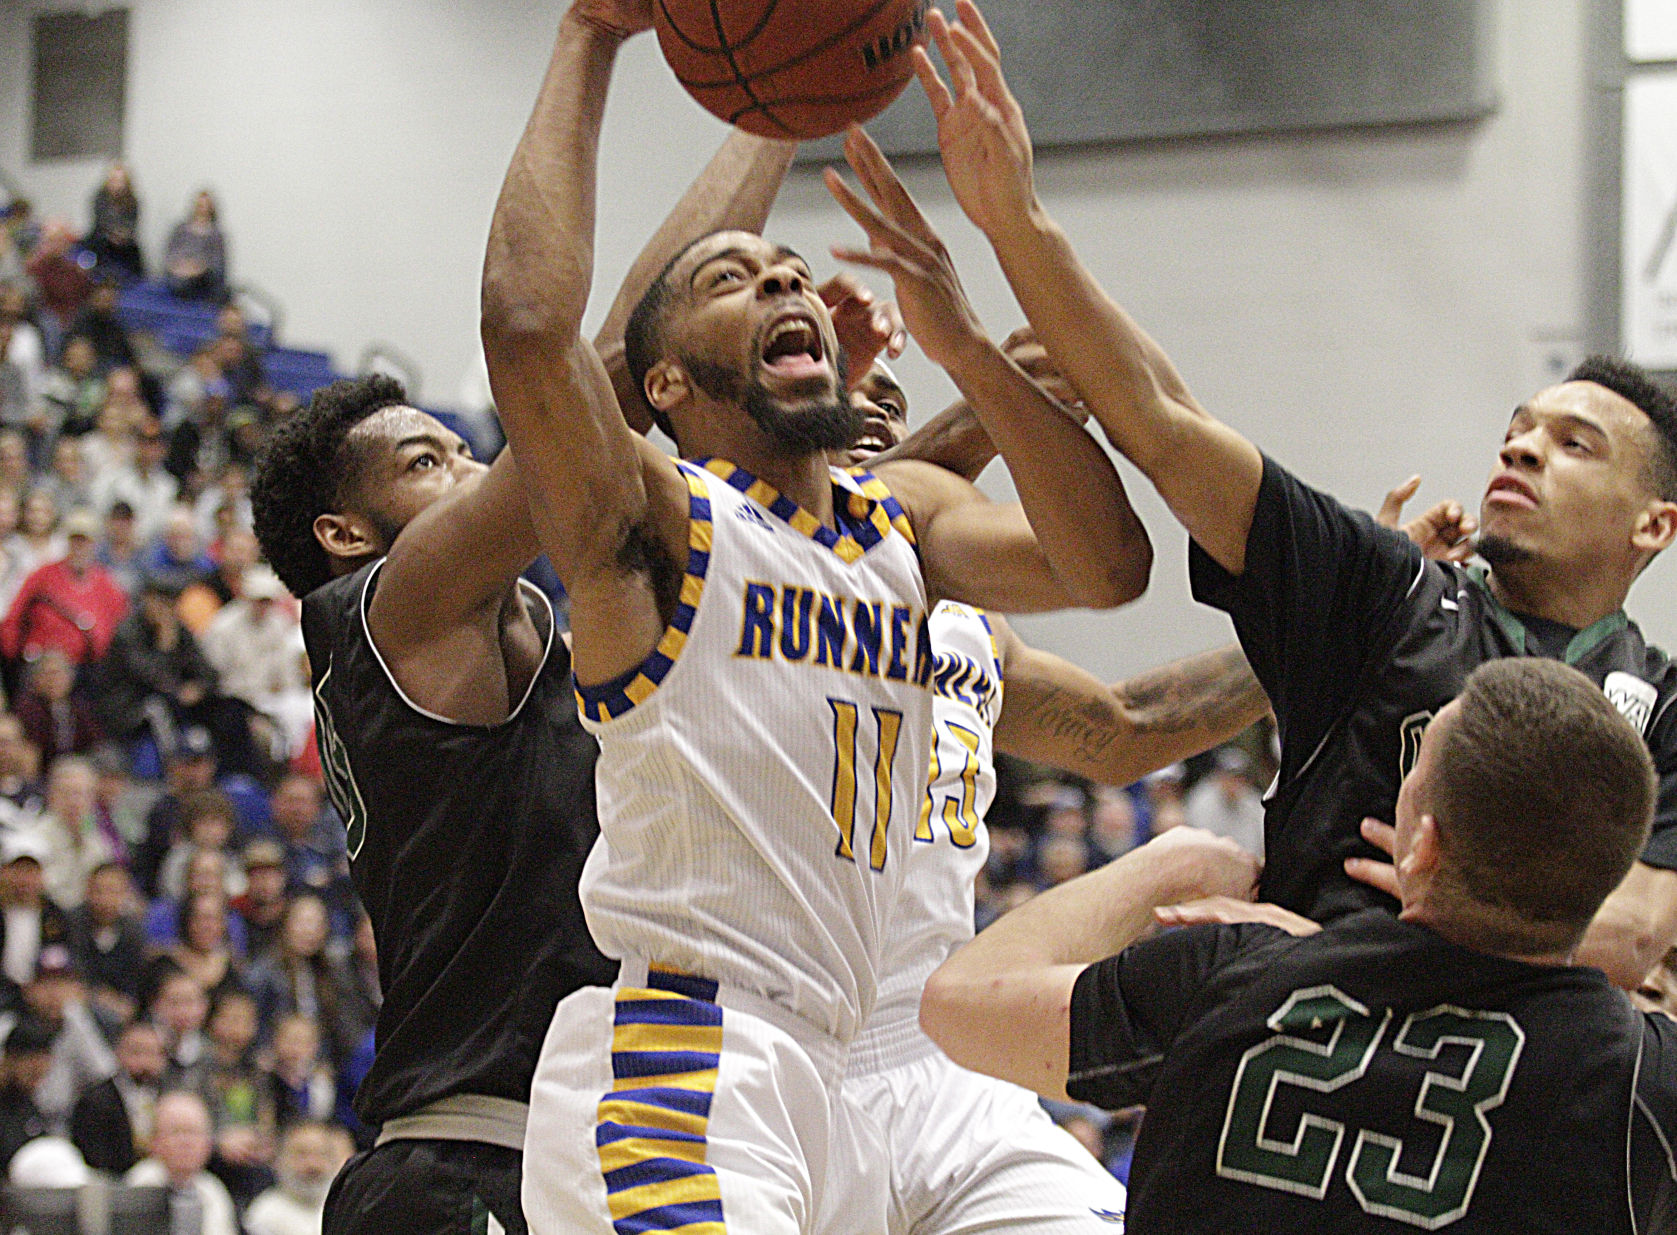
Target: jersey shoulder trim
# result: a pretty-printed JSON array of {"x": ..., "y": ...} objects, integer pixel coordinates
[
  {"x": 866, "y": 517},
  {"x": 612, "y": 699},
  {"x": 367, "y": 631}
]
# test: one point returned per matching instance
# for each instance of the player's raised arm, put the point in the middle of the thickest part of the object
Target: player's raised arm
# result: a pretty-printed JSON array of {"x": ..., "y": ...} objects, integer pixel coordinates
[
  {"x": 735, "y": 191},
  {"x": 608, "y": 508},
  {"x": 1206, "y": 472},
  {"x": 1020, "y": 972},
  {"x": 1065, "y": 480},
  {"x": 1056, "y": 713}
]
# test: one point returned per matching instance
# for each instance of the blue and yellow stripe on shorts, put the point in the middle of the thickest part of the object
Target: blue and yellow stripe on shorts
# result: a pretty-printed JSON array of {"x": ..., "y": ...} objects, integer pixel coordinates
[{"x": 650, "y": 1129}]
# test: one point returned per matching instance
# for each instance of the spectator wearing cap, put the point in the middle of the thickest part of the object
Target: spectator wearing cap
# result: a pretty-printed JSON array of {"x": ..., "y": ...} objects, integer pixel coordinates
[
  {"x": 180, "y": 1150},
  {"x": 108, "y": 941},
  {"x": 29, "y": 920},
  {"x": 80, "y": 1055},
  {"x": 153, "y": 494},
  {"x": 263, "y": 903},
  {"x": 256, "y": 645},
  {"x": 24, "y": 1062},
  {"x": 112, "y": 1121},
  {"x": 57, "y": 719},
  {"x": 1227, "y": 803},
  {"x": 75, "y": 841},
  {"x": 188, "y": 769},
  {"x": 71, "y": 605}
]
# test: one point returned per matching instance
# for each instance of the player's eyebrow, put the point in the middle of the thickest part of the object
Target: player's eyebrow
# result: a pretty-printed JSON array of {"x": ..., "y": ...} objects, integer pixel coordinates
[
  {"x": 427, "y": 439},
  {"x": 736, "y": 253}
]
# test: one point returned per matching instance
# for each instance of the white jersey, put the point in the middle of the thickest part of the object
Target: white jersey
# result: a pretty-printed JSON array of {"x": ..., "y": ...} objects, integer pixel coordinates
[
  {"x": 934, "y": 912},
  {"x": 761, "y": 773}
]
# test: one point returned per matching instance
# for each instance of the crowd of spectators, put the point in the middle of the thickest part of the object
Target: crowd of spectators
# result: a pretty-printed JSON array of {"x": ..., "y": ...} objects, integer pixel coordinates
[{"x": 187, "y": 984}]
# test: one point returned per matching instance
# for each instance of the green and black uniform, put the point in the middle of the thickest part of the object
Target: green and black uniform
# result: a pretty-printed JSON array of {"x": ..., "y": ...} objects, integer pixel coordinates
[
  {"x": 1377, "y": 1078},
  {"x": 465, "y": 844},
  {"x": 1359, "y": 642}
]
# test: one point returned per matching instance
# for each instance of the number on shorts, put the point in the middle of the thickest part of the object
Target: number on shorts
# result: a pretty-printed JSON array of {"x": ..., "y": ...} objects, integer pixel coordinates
[{"x": 1326, "y": 1040}]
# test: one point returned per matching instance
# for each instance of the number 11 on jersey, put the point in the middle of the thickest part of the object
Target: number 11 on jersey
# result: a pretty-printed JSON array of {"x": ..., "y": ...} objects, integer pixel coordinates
[{"x": 889, "y": 723}]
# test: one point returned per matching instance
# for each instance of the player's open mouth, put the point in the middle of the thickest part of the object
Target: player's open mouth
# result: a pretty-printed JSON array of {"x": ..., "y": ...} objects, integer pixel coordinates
[
  {"x": 1507, "y": 489},
  {"x": 875, "y": 437},
  {"x": 793, "y": 348}
]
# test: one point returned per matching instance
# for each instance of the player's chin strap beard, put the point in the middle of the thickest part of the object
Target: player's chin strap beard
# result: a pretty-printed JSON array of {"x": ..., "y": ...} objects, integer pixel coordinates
[
  {"x": 1500, "y": 551},
  {"x": 814, "y": 427}
]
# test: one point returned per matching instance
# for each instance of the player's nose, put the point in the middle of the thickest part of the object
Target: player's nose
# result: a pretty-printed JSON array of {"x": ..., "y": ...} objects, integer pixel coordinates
[
  {"x": 1520, "y": 451},
  {"x": 780, "y": 280}
]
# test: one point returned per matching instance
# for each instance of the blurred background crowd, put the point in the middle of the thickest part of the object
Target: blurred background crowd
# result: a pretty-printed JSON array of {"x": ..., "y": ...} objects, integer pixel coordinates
[{"x": 188, "y": 986}]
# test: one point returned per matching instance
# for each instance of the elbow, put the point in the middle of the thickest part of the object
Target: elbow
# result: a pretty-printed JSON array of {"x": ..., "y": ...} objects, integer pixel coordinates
[
  {"x": 1122, "y": 578},
  {"x": 940, "y": 1006},
  {"x": 513, "y": 321}
]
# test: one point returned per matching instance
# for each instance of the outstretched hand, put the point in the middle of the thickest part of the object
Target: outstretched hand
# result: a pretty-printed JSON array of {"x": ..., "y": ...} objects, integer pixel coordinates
[
  {"x": 980, "y": 126},
  {"x": 865, "y": 325},
  {"x": 903, "y": 245},
  {"x": 1444, "y": 532},
  {"x": 621, "y": 18}
]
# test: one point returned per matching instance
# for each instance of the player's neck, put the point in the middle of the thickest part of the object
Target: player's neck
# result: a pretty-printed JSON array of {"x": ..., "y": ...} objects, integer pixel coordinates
[
  {"x": 1579, "y": 601},
  {"x": 1467, "y": 932}
]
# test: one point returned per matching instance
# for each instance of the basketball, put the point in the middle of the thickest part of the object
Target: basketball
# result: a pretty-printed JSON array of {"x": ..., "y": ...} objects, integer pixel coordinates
[{"x": 791, "y": 68}]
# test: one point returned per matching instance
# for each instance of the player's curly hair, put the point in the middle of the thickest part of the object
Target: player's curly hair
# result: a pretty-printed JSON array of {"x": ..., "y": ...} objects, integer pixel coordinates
[
  {"x": 1656, "y": 402},
  {"x": 304, "y": 472}
]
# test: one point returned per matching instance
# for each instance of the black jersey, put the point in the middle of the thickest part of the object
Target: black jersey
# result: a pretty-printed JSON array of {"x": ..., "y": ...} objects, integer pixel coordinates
[
  {"x": 465, "y": 844},
  {"x": 1377, "y": 1078},
  {"x": 1359, "y": 642}
]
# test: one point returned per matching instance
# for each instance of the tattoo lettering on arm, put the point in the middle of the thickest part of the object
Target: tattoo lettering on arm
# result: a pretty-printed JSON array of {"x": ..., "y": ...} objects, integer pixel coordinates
[
  {"x": 1071, "y": 717},
  {"x": 1216, "y": 690}
]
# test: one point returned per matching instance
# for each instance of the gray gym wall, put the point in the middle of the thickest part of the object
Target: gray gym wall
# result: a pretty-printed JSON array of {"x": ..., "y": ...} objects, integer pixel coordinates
[{"x": 1364, "y": 303}]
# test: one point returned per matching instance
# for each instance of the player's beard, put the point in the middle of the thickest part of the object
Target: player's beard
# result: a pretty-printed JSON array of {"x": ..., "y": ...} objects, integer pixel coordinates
[
  {"x": 809, "y": 426},
  {"x": 1501, "y": 551}
]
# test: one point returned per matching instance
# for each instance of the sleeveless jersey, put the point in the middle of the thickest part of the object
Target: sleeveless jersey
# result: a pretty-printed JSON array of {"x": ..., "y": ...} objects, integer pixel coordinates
[
  {"x": 934, "y": 913},
  {"x": 761, "y": 772},
  {"x": 465, "y": 845}
]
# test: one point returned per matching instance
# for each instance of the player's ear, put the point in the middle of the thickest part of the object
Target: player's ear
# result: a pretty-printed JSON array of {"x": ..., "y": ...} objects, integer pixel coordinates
[
  {"x": 1420, "y": 861},
  {"x": 667, "y": 385},
  {"x": 1656, "y": 526},
  {"x": 347, "y": 536}
]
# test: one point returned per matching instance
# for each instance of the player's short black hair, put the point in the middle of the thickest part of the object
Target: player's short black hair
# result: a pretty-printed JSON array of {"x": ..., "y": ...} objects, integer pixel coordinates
[
  {"x": 1655, "y": 400},
  {"x": 1543, "y": 796},
  {"x": 643, "y": 334},
  {"x": 304, "y": 472}
]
